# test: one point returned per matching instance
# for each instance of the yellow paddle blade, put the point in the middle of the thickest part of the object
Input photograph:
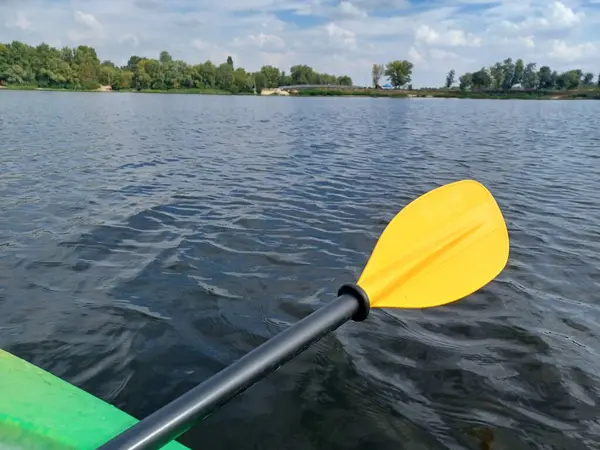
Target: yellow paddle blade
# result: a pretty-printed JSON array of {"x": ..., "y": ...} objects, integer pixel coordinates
[{"x": 441, "y": 247}]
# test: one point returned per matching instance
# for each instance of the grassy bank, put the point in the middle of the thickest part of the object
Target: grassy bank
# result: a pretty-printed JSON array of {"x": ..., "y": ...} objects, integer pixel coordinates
[
  {"x": 328, "y": 92},
  {"x": 588, "y": 93},
  {"x": 591, "y": 94},
  {"x": 19, "y": 87},
  {"x": 183, "y": 91}
]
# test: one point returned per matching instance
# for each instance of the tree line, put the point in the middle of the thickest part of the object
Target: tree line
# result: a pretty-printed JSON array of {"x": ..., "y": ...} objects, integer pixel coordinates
[
  {"x": 503, "y": 75},
  {"x": 80, "y": 68},
  {"x": 507, "y": 74}
]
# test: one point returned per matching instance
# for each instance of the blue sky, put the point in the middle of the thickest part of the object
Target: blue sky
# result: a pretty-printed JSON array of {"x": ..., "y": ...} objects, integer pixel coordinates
[{"x": 340, "y": 37}]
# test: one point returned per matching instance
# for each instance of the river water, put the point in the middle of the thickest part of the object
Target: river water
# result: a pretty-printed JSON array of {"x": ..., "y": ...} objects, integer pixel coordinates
[{"x": 148, "y": 241}]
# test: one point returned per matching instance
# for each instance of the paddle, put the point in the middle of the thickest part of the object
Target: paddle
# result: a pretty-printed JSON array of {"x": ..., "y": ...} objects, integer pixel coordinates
[{"x": 441, "y": 247}]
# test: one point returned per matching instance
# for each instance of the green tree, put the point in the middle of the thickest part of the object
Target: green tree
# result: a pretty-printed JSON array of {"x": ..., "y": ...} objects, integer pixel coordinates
[
  {"x": 123, "y": 80},
  {"x": 399, "y": 72},
  {"x": 530, "y": 77},
  {"x": 518, "y": 72},
  {"x": 19, "y": 63},
  {"x": 186, "y": 74},
  {"x": 133, "y": 62},
  {"x": 207, "y": 75},
  {"x": 13, "y": 74},
  {"x": 66, "y": 54},
  {"x": 141, "y": 79},
  {"x": 284, "y": 79},
  {"x": 466, "y": 81},
  {"x": 376, "y": 73},
  {"x": 302, "y": 74},
  {"x": 224, "y": 76},
  {"x": 271, "y": 76},
  {"x": 165, "y": 58},
  {"x": 508, "y": 74},
  {"x": 152, "y": 68},
  {"x": 47, "y": 66},
  {"x": 260, "y": 81},
  {"x": 344, "y": 80},
  {"x": 108, "y": 74},
  {"x": 481, "y": 79},
  {"x": 80, "y": 67},
  {"x": 497, "y": 74},
  {"x": 242, "y": 81},
  {"x": 569, "y": 79},
  {"x": 87, "y": 66},
  {"x": 450, "y": 79},
  {"x": 325, "y": 78},
  {"x": 546, "y": 78}
]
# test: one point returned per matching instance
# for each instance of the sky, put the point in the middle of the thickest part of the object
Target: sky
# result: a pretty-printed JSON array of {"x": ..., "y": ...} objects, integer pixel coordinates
[{"x": 340, "y": 37}]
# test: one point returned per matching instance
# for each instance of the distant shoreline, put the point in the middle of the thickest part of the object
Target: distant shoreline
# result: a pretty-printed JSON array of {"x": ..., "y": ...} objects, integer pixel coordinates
[
  {"x": 104, "y": 90},
  {"x": 579, "y": 94}
]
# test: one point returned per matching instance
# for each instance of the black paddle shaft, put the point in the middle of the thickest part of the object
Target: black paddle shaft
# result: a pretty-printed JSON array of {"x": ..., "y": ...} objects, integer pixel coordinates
[{"x": 172, "y": 420}]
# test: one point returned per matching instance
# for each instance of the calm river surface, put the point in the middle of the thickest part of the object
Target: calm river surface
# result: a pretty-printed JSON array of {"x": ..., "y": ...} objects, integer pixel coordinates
[{"x": 148, "y": 241}]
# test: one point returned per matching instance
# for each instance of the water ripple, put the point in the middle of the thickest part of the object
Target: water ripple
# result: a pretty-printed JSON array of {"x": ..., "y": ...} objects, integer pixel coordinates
[{"x": 156, "y": 239}]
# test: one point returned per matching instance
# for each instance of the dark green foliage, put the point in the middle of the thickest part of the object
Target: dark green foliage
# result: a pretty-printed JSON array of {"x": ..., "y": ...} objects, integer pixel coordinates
[
  {"x": 80, "y": 69},
  {"x": 399, "y": 72},
  {"x": 450, "y": 79},
  {"x": 506, "y": 75}
]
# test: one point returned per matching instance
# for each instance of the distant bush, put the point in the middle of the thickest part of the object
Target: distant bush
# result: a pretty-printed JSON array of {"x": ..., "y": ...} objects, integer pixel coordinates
[{"x": 90, "y": 85}]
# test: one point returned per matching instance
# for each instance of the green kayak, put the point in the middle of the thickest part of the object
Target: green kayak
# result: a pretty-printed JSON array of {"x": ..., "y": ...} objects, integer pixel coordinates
[{"x": 40, "y": 411}]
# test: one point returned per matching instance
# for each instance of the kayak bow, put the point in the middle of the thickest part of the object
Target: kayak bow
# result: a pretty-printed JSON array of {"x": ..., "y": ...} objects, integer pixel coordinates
[{"x": 40, "y": 411}]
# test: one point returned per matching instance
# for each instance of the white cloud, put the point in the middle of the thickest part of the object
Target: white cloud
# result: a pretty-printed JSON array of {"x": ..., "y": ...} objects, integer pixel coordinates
[
  {"x": 515, "y": 43},
  {"x": 212, "y": 51},
  {"x": 341, "y": 36},
  {"x": 554, "y": 17},
  {"x": 563, "y": 16},
  {"x": 415, "y": 56},
  {"x": 347, "y": 9},
  {"x": 129, "y": 38},
  {"x": 267, "y": 41},
  {"x": 21, "y": 22},
  {"x": 451, "y": 38},
  {"x": 527, "y": 41},
  {"x": 442, "y": 55},
  {"x": 571, "y": 53},
  {"x": 88, "y": 20},
  {"x": 90, "y": 28}
]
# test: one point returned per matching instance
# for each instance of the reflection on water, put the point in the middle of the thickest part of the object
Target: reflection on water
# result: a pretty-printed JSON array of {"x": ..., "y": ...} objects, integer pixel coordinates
[{"x": 147, "y": 241}]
